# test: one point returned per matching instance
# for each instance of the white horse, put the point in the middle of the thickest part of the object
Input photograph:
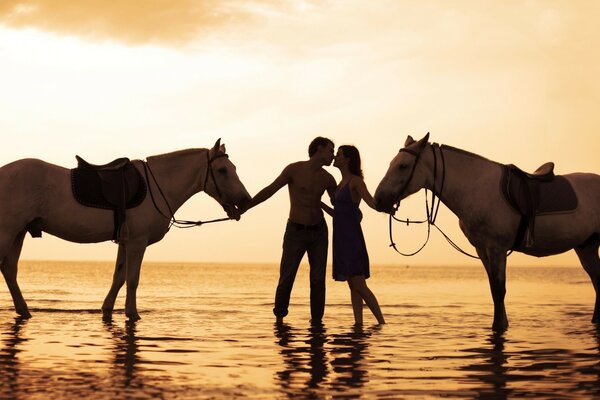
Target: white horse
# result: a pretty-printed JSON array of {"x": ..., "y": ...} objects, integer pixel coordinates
[
  {"x": 472, "y": 191},
  {"x": 32, "y": 190}
]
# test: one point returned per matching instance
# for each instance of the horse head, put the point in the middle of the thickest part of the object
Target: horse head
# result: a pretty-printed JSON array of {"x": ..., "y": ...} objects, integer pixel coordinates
[
  {"x": 402, "y": 178},
  {"x": 223, "y": 184}
]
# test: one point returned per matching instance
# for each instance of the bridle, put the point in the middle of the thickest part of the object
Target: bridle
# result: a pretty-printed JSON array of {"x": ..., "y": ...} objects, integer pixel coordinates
[
  {"x": 435, "y": 205},
  {"x": 210, "y": 170},
  {"x": 177, "y": 222},
  {"x": 431, "y": 212}
]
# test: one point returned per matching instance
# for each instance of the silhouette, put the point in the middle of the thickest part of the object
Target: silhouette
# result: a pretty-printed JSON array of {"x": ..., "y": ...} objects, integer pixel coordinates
[
  {"x": 493, "y": 370},
  {"x": 302, "y": 355},
  {"x": 350, "y": 256},
  {"x": 316, "y": 362},
  {"x": 10, "y": 380},
  {"x": 38, "y": 197},
  {"x": 133, "y": 375},
  {"x": 470, "y": 186},
  {"x": 593, "y": 370},
  {"x": 348, "y": 354},
  {"x": 126, "y": 349},
  {"x": 306, "y": 230}
]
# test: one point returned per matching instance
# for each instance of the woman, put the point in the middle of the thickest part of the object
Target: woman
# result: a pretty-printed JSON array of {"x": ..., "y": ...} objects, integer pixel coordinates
[{"x": 350, "y": 257}]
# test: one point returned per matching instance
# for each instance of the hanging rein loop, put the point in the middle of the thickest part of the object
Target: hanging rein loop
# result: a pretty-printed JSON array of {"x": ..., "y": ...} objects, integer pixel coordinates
[
  {"x": 178, "y": 223},
  {"x": 397, "y": 205},
  {"x": 435, "y": 206}
]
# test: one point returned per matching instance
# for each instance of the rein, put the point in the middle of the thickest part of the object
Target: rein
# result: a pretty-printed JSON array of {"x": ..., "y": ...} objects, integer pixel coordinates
[
  {"x": 178, "y": 223},
  {"x": 431, "y": 213}
]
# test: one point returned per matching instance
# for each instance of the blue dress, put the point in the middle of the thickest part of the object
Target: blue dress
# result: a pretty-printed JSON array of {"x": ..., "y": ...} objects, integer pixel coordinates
[{"x": 350, "y": 255}]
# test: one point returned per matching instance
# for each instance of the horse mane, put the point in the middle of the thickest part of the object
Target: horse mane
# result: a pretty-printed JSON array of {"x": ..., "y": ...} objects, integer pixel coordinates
[
  {"x": 466, "y": 153},
  {"x": 175, "y": 153}
]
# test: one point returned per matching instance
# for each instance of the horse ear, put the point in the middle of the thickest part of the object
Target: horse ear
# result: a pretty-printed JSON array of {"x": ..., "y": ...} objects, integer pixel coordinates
[
  {"x": 222, "y": 148},
  {"x": 423, "y": 142},
  {"x": 217, "y": 144},
  {"x": 409, "y": 141}
]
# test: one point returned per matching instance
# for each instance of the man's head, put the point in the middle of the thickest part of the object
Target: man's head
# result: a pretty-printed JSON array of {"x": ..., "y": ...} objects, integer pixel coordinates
[{"x": 321, "y": 148}]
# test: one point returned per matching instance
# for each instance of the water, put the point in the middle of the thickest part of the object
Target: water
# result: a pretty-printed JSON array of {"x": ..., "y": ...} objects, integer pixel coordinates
[{"x": 207, "y": 331}]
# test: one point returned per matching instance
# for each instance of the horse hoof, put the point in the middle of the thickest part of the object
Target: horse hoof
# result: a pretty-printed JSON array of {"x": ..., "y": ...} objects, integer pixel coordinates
[
  {"x": 24, "y": 314},
  {"x": 135, "y": 317}
]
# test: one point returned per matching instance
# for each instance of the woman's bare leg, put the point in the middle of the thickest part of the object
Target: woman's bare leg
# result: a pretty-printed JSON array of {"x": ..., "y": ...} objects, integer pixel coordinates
[
  {"x": 357, "y": 305},
  {"x": 359, "y": 284}
]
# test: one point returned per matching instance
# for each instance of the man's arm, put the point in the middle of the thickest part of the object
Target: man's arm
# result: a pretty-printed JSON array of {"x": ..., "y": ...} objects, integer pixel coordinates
[
  {"x": 282, "y": 180},
  {"x": 327, "y": 209},
  {"x": 331, "y": 186}
]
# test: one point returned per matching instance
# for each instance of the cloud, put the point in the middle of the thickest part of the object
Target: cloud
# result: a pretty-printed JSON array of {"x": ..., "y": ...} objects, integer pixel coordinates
[{"x": 135, "y": 22}]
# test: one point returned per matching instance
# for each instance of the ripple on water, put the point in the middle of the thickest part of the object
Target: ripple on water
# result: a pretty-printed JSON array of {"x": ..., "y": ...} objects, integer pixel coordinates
[{"x": 213, "y": 336}]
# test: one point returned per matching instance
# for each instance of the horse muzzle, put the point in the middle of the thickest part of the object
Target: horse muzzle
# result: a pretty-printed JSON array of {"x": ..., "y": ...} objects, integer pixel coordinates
[
  {"x": 237, "y": 207},
  {"x": 385, "y": 202}
]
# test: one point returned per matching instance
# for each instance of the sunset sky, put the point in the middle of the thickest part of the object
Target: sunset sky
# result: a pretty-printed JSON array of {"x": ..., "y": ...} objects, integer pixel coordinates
[{"x": 515, "y": 81}]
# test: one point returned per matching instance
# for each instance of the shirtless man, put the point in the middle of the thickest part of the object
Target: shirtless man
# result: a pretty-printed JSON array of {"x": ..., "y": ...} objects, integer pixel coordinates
[{"x": 306, "y": 230}]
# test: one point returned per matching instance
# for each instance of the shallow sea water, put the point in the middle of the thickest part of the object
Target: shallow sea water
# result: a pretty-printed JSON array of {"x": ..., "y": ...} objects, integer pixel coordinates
[{"x": 207, "y": 331}]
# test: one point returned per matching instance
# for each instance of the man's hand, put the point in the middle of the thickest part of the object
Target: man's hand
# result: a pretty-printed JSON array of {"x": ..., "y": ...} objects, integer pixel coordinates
[{"x": 233, "y": 213}]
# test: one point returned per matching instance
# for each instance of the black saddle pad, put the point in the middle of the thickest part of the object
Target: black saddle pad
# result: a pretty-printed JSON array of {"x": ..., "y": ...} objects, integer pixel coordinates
[
  {"x": 547, "y": 197},
  {"x": 557, "y": 196},
  {"x": 89, "y": 190}
]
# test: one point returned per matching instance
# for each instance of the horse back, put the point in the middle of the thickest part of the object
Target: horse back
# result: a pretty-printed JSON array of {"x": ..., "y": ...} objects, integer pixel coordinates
[
  {"x": 587, "y": 188},
  {"x": 27, "y": 184},
  {"x": 28, "y": 172}
]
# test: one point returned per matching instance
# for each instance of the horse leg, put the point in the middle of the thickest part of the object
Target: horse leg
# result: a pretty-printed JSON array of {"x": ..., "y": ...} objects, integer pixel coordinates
[
  {"x": 9, "y": 269},
  {"x": 134, "y": 253},
  {"x": 117, "y": 283},
  {"x": 588, "y": 256},
  {"x": 494, "y": 262}
]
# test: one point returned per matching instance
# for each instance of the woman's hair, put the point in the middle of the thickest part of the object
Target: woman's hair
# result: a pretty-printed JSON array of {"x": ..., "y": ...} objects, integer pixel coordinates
[{"x": 352, "y": 153}]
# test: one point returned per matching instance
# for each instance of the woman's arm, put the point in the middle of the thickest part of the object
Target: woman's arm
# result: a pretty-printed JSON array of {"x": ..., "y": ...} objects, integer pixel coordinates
[{"x": 361, "y": 189}]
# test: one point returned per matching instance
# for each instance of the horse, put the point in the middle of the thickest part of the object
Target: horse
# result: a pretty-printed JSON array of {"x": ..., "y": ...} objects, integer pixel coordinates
[
  {"x": 38, "y": 196},
  {"x": 469, "y": 185}
]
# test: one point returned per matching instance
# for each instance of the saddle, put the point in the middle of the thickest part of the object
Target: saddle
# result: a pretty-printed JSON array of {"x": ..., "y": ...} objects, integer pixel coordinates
[
  {"x": 115, "y": 186},
  {"x": 540, "y": 193}
]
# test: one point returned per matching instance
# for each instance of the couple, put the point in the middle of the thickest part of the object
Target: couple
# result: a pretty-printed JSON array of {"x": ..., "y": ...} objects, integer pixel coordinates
[{"x": 306, "y": 230}]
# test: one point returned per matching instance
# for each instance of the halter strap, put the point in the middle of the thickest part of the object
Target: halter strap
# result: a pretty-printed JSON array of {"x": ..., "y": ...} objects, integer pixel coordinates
[
  {"x": 410, "y": 151},
  {"x": 209, "y": 169},
  {"x": 176, "y": 222}
]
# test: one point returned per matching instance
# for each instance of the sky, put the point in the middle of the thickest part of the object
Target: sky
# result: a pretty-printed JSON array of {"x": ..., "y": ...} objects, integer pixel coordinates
[{"x": 514, "y": 81}]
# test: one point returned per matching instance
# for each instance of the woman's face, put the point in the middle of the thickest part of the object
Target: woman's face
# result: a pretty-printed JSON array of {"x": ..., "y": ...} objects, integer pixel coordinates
[{"x": 340, "y": 159}]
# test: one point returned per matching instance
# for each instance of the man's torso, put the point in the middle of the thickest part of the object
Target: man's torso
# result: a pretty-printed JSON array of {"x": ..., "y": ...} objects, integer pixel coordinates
[{"x": 306, "y": 187}]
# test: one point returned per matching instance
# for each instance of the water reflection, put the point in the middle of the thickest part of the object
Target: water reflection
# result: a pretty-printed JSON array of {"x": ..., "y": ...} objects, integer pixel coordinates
[
  {"x": 544, "y": 370},
  {"x": 315, "y": 361},
  {"x": 126, "y": 358},
  {"x": 135, "y": 374},
  {"x": 592, "y": 370},
  {"x": 491, "y": 368},
  {"x": 9, "y": 359},
  {"x": 498, "y": 361},
  {"x": 304, "y": 357},
  {"x": 348, "y": 353},
  {"x": 318, "y": 357}
]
